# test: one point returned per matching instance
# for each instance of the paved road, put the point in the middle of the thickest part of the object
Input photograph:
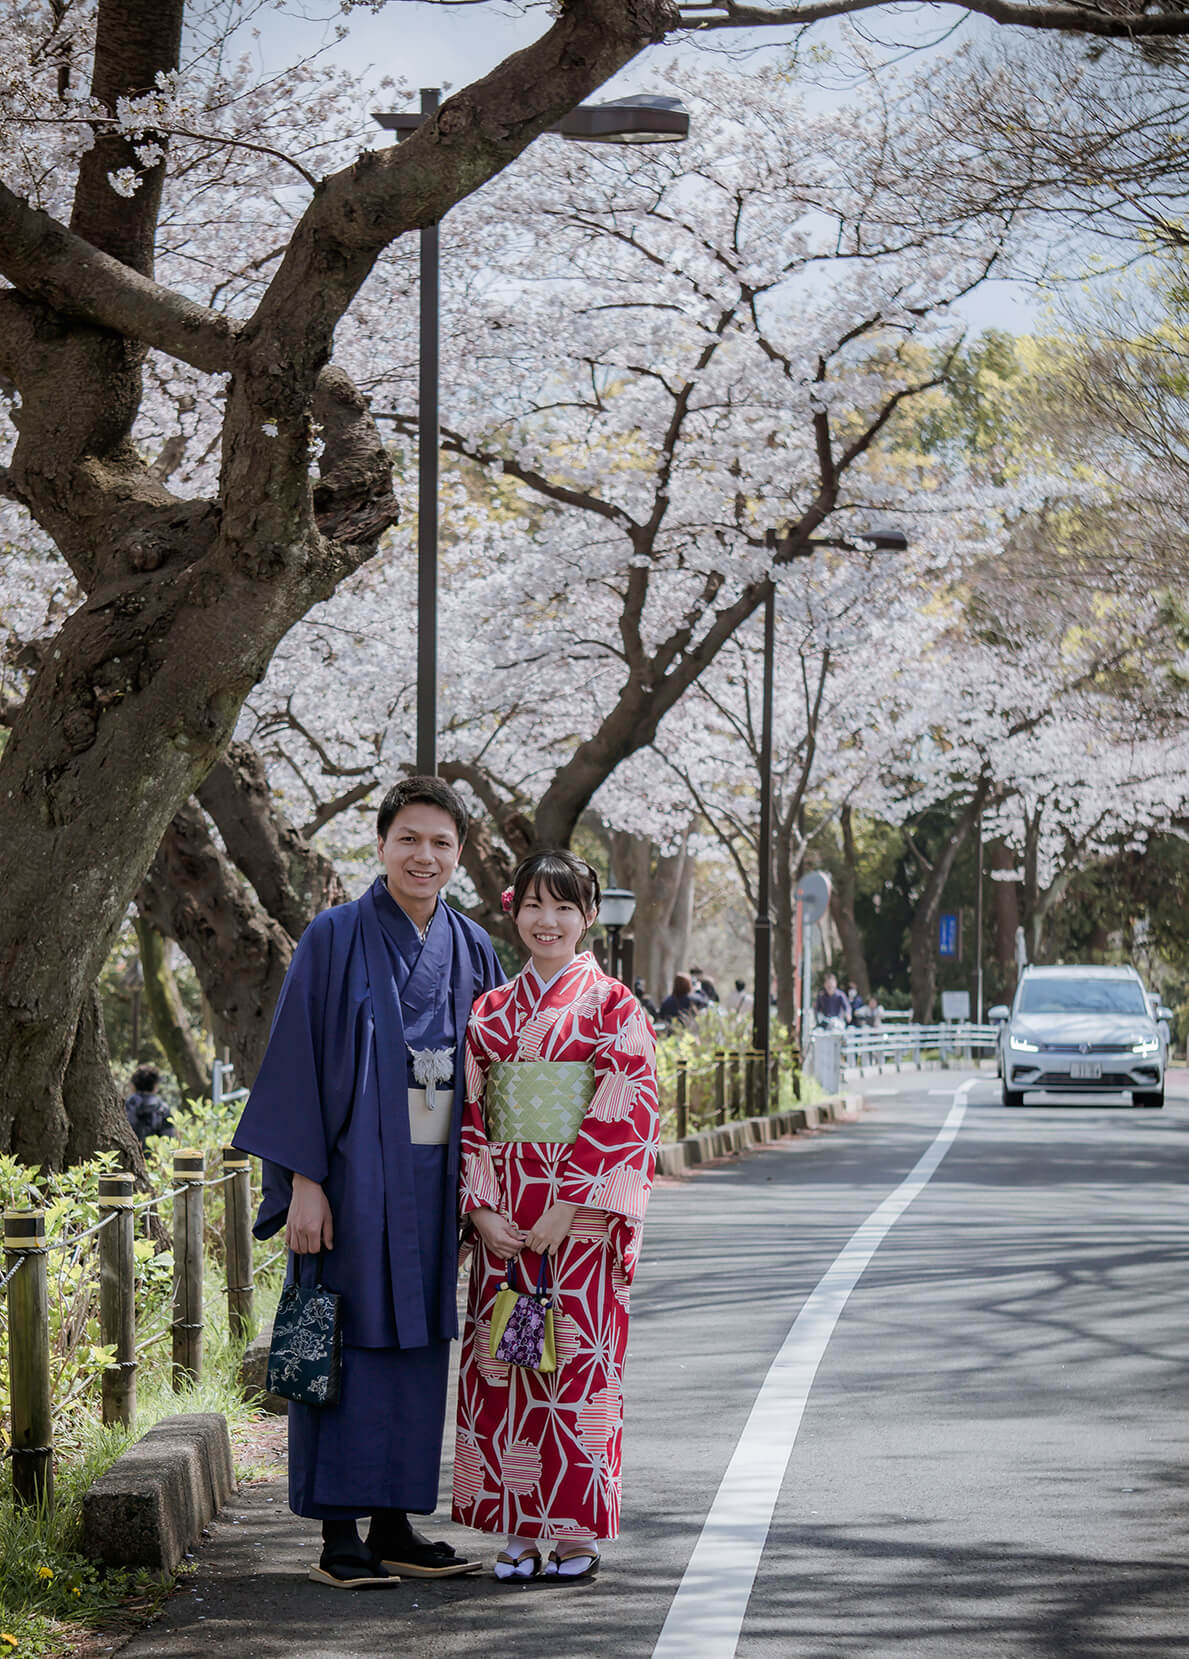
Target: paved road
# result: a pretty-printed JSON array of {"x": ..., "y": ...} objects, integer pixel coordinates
[{"x": 991, "y": 1463}]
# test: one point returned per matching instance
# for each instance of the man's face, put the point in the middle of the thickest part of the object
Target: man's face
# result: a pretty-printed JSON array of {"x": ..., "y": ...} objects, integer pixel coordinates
[
  {"x": 419, "y": 854},
  {"x": 831, "y": 983}
]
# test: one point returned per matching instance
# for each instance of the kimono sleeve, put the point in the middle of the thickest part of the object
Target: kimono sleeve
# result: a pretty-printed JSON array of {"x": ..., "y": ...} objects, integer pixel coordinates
[
  {"x": 612, "y": 1162},
  {"x": 478, "y": 1184},
  {"x": 284, "y": 1121}
]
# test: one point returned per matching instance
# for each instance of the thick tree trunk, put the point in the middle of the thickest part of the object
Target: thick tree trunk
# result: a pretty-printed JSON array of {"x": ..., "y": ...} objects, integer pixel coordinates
[
  {"x": 664, "y": 887},
  {"x": 1007, "y": 918},
  {"x": 170, "y": 1024},
  {"x": 193, "y": 894},
  {"x": 922, "y": 962},
  {"x": 842, "y": 910}
]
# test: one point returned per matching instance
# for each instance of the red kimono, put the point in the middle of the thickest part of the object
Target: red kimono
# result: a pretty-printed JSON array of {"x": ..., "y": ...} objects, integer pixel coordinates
[{"x": 539, "y": 1455}]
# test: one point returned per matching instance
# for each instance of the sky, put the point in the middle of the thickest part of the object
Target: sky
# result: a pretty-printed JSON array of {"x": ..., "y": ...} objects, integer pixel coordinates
[{"x": 447, "y": 46}]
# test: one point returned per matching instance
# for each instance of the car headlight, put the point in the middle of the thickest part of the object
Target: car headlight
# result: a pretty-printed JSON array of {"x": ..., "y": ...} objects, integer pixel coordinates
[
  {"x": 1022, "y": 1045},
  {"x": 1146, "y": 1045}
]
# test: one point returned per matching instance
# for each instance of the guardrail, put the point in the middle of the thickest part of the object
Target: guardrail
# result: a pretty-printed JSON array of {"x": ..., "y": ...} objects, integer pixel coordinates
[{"x": 901, "y": 1044}]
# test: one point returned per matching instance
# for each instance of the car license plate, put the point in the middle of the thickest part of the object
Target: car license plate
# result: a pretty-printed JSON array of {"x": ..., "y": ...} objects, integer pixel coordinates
[{"x": 1085, "y": 1069}]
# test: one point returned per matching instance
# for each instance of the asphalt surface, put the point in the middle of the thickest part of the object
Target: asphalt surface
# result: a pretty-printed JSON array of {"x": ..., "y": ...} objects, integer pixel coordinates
[{"x": 991, "y": 1462}]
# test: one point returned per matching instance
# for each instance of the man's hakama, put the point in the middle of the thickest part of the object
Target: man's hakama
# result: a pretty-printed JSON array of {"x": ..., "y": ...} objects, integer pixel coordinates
[{"x": 331, "y": 1102}]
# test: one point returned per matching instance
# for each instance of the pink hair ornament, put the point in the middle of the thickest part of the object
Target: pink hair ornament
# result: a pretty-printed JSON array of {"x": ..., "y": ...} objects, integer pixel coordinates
[{"x": 506, "y": 899}]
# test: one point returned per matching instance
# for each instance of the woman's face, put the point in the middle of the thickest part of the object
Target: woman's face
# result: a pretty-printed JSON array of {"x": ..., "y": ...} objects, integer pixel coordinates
[{"x": 551, "y": 929}]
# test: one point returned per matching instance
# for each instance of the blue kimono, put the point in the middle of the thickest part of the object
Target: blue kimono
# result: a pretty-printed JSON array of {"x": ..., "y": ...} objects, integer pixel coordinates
[{"x": 330, "y": 1102}]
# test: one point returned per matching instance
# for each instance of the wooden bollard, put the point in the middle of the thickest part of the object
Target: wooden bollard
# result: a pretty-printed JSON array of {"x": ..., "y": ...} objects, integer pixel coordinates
[
  {"x": 29, "y": 1357},
  {"x": 720, "y": 1085},
  {"x": 117, "y": 1298},
  {"x": 188, "y": 1170},
  {"x": 736, "y": 1095},
  {"x": 237, "y": 1166},
  {"x": 682, "y": 1099},
  {"x": 754, "y": 1064}
]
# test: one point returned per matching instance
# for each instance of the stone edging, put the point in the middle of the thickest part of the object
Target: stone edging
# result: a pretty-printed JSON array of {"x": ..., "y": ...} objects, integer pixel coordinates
[{"x": 152, "y": 1504}]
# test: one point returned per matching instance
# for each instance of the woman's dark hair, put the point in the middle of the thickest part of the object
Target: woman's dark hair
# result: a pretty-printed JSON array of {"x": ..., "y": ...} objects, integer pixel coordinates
[
  {"x": 145, "y": 1079},
  {"x": 566, "y": 878},
  {"x": 682, "y": 985},
  {"x": 421, "y": 791}
]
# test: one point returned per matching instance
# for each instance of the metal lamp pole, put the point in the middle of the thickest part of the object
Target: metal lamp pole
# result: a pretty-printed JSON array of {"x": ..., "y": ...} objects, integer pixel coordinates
[
  {"x": 641, "y": 119},
  {"x": 882, "y": 541},
  {"x": 761, "y": 1010}
]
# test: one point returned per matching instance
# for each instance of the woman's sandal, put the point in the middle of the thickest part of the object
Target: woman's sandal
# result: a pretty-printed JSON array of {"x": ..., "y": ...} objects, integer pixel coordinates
[
  {"x": 531, "y": 1558},
  {"x": 554, "y": 1575}
]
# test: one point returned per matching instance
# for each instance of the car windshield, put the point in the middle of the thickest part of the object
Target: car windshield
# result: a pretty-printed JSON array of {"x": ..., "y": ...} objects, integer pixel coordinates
[{"x": 1081, "y": 996}]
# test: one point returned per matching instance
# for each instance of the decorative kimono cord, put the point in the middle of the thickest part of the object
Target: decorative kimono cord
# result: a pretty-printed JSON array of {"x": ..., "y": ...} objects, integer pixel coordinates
[{"x": 431, "y": 1066}]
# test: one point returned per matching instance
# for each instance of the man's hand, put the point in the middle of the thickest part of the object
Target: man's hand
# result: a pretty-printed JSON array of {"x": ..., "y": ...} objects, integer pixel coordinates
[
  {"x": 309, "y": 1226},
  {"x": 546, "y": 1237},
  {"x": 498, "y": 1233}
]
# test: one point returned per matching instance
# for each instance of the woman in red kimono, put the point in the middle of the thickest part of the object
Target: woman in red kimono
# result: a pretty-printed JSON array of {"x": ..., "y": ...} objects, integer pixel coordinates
[{"x": 558, "y": 1152}]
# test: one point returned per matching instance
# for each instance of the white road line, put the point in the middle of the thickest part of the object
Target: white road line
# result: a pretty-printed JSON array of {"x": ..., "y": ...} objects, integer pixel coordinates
[{"x": 707, "y": 1612}]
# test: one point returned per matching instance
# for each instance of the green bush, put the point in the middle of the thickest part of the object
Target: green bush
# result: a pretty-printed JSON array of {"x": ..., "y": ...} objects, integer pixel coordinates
[
  {"x": 696, "y": 1044},
  {"x": 46, "y": 1586}
]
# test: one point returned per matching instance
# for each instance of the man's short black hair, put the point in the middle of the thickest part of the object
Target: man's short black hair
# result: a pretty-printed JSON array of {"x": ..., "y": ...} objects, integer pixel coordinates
[
  {"x": 421, "y": 791},
  {"x": 145, "y": 1079}
]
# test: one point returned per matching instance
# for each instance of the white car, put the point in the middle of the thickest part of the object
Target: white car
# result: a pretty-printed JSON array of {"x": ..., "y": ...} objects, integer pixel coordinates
[{"x": 1081, "y": 1030}]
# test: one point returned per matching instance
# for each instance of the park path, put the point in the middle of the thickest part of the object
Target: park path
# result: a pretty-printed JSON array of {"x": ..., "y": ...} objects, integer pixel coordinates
[{"x": 989, "y": 1462}]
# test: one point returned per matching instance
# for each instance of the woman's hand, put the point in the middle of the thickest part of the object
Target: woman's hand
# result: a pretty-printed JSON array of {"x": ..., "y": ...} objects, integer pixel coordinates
[
  {"x": 309, "y": 1226},
  {"x": 498, "y": 1234},
  {"x": 546, "y": 1237}
]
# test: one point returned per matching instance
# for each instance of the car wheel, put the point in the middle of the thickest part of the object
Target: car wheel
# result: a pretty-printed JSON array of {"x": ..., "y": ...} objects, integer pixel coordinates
[
  {"x": 1012, "y": 1097},
  {"x": 1147, "y": 1097}
]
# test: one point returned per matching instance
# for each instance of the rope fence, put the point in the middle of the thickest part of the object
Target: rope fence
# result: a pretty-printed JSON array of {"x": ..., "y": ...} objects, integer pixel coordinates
[{"x": 25, "y": 1282}]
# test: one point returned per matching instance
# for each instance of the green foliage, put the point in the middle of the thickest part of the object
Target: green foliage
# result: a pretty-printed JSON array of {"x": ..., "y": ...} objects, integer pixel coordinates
[
  {"x": 47, "y": 1588},
  {"x": 697, "y": 1044}
]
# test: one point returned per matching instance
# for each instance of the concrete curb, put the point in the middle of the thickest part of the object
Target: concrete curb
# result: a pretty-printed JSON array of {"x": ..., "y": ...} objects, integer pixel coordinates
[
  {"x": 152, "y": 1504},
  {"x": 727, "y": 1139}
]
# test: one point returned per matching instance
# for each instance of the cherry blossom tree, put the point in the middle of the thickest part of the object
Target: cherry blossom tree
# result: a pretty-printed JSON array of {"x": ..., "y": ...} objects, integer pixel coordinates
[{"x": 157, "y": 226}]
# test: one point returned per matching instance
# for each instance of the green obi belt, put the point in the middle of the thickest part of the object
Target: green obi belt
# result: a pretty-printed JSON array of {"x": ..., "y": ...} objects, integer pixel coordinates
[{"x": 538, "y": 1100}]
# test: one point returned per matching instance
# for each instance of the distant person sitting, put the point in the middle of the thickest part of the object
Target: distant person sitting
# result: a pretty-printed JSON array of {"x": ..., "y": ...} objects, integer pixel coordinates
[
  {"x": 873, "y": 1013},
  {"x": 739, "y": 1000},
  {"x": 855, "y": 1000},
  {"x": 703, "y": 984},
  {"x": 682, "y": 1004},
  {"x": 831, "y": 1003},
  {"x": 147, "y": 1112}
]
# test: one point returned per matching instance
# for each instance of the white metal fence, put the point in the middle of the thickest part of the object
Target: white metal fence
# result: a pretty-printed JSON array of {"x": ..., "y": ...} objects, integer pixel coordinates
[{"x": 901, "y": 1045}]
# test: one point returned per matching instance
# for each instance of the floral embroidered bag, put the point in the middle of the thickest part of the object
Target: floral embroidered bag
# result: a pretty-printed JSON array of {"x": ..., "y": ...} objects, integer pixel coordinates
[
  {"x": 305, "y": 1355},
  {"x": 522, "y": 1323}
]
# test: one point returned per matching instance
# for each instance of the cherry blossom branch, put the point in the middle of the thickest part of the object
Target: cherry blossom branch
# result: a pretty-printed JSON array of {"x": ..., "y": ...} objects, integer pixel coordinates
[{"x": 727, "y": 14}]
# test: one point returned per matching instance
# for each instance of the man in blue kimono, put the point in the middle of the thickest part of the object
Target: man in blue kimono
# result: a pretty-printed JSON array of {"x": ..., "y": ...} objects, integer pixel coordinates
[{"x": 357, "y": 1113}]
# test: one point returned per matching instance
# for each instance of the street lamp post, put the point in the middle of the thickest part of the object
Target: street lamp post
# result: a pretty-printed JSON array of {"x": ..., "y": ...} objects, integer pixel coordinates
[
  {"x": 882, "y": 541},
  {"x": 640, "y": 119},
  {"x": 615, "y": 912}
]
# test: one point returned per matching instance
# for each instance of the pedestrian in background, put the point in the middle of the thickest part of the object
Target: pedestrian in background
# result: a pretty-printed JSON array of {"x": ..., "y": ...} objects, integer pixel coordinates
[
  {"x": 831, "y": 1003},
  {"x": 147, "y": 1112},
  {"x": 738, "y": 1001},
  {"x": 703, "y": 984},
  {"x": 682, "y": 1003},
  {"x": 640, "y": 991}
]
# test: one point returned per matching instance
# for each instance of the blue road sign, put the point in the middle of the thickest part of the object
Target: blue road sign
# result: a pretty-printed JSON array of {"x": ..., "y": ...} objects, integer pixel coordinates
[{"x": 947, "y": 933}]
